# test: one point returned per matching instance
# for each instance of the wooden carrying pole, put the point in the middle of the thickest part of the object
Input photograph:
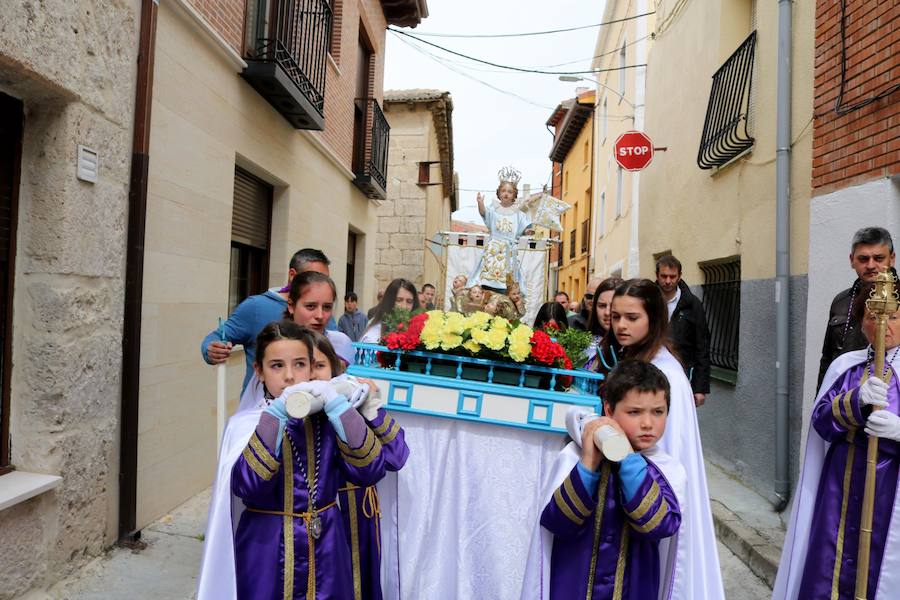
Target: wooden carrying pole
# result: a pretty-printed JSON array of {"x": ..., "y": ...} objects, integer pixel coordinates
[{"x": 882, "y": 303}]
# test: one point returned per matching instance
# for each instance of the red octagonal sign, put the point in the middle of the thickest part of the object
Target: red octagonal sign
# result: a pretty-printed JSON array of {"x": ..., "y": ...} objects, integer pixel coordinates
[{"x": 633, "y": 150}]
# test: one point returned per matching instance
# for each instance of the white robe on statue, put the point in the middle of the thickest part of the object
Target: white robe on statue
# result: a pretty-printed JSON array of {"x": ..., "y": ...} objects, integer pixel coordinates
[{"x": 793, "y": 554}]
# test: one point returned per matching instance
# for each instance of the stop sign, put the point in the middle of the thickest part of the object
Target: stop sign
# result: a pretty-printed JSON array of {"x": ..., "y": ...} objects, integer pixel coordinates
[{"x": 633, "y": 150}]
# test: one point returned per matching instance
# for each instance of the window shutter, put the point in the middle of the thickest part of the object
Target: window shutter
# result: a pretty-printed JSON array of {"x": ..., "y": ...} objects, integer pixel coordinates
[{"x": 251, "y": 211}]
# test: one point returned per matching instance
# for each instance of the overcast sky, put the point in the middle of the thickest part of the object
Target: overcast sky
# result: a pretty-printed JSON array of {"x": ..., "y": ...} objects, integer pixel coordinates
[{"x": 492, "y": 129}]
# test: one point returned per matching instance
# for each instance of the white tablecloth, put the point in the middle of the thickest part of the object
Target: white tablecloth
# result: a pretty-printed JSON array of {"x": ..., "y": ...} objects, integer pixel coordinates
[{"x": 458, "y": 518}]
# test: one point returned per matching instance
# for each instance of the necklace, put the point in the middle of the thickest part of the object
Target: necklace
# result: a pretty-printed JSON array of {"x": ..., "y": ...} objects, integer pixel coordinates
[
  {"x": 887, "y": 363},
  {"x": 853, "y": 292},
  {"x": 312, "y": 482}
]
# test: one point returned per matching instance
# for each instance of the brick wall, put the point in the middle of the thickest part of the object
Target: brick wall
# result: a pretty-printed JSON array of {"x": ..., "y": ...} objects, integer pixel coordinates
[
  {"x": 226, "y": 17},
  {"x": 863, "y": 144}
]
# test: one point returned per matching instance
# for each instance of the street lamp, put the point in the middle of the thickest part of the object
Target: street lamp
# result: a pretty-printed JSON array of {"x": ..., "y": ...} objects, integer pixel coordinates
[{"x": 572, "y": 78}]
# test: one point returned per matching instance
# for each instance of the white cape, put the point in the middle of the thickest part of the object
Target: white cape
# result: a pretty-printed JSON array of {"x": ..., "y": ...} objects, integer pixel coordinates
[
  {"x": 672, "y": 554},
  {"x": 217, "y": 575},
  {"x": 698, "y": 576},
  {"x": 793, "y": 555}
]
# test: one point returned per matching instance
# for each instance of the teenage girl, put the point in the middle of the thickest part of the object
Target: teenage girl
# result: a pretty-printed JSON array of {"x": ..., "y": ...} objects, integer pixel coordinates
[{"x": 399, "y": 293}]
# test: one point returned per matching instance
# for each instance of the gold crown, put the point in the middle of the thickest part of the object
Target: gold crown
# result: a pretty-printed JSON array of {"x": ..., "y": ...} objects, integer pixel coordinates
[{"x": 510, "y": 175}]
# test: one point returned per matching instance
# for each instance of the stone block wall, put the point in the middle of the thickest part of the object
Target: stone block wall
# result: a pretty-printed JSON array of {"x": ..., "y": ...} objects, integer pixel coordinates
[{"x": 73, "y": 66}]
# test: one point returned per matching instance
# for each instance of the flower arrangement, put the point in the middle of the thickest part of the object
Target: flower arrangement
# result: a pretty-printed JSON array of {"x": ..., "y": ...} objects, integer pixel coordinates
[{"x": 479, "y": 335}]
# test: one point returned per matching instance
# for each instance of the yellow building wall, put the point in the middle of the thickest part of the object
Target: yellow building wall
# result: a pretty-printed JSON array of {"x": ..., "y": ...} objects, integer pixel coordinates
[
  {"x": 702, "y": 215},
  {"x": 205, "y": 120},
  {"x": 577, "y": 179}
]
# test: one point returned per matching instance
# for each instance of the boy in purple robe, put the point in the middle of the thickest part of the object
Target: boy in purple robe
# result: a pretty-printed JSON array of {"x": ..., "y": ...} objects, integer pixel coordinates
[
  {"x": 608, "y": 518},
  {"x": 854, "y": 404}
]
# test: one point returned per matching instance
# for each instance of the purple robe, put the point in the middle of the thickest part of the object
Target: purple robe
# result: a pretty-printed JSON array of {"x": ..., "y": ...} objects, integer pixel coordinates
[
  {"x": 362, "y": 514},
  {"x": 613, "y": 551},
  {"x": 838, "y": 417},
  {"x": 275, "y": 557}
]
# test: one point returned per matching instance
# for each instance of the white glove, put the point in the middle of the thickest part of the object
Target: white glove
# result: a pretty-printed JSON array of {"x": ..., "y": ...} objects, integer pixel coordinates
[
  {"x": 576, "y": 418},
  {"x": 873, "y": 392},
  {"x": 883, "y": 424},
  {"x": 346, "y": 386},
  {"x": 370, "y": 403},
  {"x": 320, "y": 389}
]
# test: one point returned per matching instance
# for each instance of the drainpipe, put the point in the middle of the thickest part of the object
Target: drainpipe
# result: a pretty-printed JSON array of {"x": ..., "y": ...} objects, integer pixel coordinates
[
  {"x": 134, "y": 276},
  {"x": 782, "y": 258}
]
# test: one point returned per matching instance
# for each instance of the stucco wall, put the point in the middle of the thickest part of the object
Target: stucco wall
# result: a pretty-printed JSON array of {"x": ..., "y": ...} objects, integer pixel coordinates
[
  {"x": 73, "y": 65},
  {"x": 206, "y": 119},
  {"x": 577, "y": 178},
  {"x": 737, "y": 422}
]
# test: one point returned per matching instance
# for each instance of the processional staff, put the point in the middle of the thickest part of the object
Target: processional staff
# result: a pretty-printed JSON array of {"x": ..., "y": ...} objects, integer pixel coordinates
[{"x": 882, "y": 303}]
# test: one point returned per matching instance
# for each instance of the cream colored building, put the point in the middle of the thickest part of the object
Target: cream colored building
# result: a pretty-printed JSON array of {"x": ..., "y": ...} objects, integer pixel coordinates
[
  {"x": 246, "y": 168},
  {"x": 620, "y": 108},
  {"x": 422, "y": 192},
  {"x": 710, "y": 201}
]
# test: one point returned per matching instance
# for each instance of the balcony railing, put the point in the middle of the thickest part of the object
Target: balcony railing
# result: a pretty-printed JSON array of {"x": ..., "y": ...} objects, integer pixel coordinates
[
  {"x": 286, "y": 59},
  {"x": 725, "y": 132},
  {"x": 371, "y": 150}
]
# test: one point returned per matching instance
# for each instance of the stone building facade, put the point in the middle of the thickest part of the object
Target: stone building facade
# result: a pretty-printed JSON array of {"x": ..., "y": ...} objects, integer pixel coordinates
[
  {"x": 67, "y": 79},
  {"x": 422, "y": 192}
]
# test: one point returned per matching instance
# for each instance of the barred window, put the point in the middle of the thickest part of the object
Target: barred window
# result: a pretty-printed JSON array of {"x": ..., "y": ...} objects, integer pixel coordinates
[{"x": 722, "y": 304}]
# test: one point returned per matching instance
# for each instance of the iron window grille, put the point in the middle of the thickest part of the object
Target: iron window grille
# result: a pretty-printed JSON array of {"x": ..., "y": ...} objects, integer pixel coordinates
[
  {"x": 725, "y": 130},
  {"x": 372, "y": 150},
  {"x": 722, "y": 305}
]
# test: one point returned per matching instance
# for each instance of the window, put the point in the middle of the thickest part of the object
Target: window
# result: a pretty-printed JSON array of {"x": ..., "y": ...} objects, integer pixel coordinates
[
  {"x": 572, "y": 244},
  {"x": 362, "y": 93},
  {"x": 586, "y": 153},
  {"x": 602, "y": 214},
  {"x": 585, "y": 236},
  {"x": 619, "y": 179},
  {"x": 11, "y": 119},
  {"x": 722, "y": 305},
  {"x": 250, "y": 237},
  {"x": 622, "y": 71},
  {"x": 351, "y": 263},
  {"x": 726, "y": 132}
]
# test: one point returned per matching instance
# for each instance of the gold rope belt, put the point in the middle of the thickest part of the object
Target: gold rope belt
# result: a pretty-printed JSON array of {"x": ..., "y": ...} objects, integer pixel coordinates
[
  {"x": 306, "y": 516},
  {"x": 371, "y": 508}
]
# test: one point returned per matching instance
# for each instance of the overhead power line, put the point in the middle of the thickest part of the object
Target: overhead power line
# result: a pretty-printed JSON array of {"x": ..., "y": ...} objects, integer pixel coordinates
[
  {"x": 508, "y": 67},
  {"x": 528, "y": 34}
]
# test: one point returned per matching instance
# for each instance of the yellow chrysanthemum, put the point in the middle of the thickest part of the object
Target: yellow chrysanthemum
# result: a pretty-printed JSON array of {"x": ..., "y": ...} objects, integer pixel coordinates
[
  {"x": 480, "y": 336},
  {"x": 432, "y": 331},
  {"x": 451, "y": 341},
  {"x": 477, "y": 320},
  {"x": 500, "y": 323},
  {"x": 455, "y": 323},
  {"x": 472, "y": 346},
  {"x": 496, "y": 339},
  {"x": 519, "y": 351}
]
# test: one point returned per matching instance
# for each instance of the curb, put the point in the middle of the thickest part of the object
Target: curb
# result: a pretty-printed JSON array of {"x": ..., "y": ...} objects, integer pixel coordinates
[{"x": 757, "y": 551}]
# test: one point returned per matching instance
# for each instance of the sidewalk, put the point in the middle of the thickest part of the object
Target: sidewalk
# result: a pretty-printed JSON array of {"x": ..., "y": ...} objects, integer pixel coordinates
[
  {"x": 166, "y": 569},
  {"x": 746, "y": 523}
]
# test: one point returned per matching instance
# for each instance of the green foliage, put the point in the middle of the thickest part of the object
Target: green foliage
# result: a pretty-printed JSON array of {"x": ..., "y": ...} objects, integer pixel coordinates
[
  {"x": 575, "y": 342},
  {"x": 395, "y": 317}
]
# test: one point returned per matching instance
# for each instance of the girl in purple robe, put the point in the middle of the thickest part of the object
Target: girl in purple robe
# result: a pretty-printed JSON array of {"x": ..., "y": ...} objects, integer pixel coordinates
[
  {"x": 607, "y": 518},
  {"x": 820, "y": 553},
  {"x": 290, "y": 541},
  {"x": 359, "y": 505}
]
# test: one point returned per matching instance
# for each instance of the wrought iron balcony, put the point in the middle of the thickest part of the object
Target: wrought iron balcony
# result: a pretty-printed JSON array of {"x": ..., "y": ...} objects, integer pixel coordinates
[
  {"x": 725, "y": 133},
  {"x": 370, "y": 149},
  {"x": 286, "y": 57}
]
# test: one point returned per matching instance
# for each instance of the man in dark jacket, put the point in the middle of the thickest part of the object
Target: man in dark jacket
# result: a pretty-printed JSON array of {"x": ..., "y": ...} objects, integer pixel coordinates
[
  {"x": 871, "y": 252},
  {"x": 687, "y": 325}
]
